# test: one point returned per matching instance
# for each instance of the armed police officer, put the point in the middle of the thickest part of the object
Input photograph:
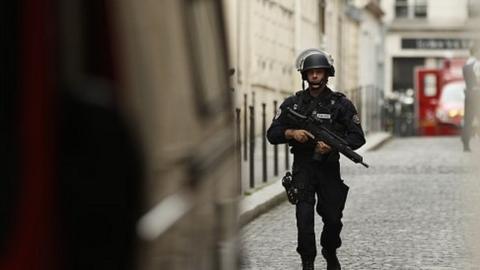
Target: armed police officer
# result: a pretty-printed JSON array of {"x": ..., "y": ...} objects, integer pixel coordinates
[{"x": 316, "y": 168}]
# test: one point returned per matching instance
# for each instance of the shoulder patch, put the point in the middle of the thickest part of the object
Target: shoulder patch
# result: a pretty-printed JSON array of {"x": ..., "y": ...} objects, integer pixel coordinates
[
  {"x": 279, "y": 112},
  {"x": 356, "y": 119}
]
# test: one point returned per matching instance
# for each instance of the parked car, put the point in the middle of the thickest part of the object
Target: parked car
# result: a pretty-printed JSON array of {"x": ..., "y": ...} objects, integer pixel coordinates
[{"x": 450, "y": 109}]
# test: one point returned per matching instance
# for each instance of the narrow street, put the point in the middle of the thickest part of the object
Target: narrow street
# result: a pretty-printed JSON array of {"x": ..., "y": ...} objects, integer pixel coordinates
[{"x": 414, "y": 208}]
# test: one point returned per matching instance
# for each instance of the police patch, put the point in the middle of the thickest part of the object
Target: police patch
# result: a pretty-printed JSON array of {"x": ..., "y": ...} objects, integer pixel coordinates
[
  {"x": 279, "y": 112},
  {"x": 356, "y": 119},
  {"x": 324, "y": 116}
]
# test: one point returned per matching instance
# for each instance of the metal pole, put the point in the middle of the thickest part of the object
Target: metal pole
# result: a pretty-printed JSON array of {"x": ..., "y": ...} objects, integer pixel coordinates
[
  {"x": 287, "y": 161},
  {"x": 275, "y": 147},
  {"x": 264, "y": 144},
  {"x": 252, "y": 147},
  {"x": 245, "y": 153},
  {"x": 238, "y": 150}
]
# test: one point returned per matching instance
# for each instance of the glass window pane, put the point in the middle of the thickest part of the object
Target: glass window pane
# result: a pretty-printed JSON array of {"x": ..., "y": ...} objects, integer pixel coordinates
[
  {"x": 430, "y": 83},
  {"x": 420, "y": 9},
  {"x": 401, "y": 12},
  {"x": 453, "y": 92},
  {"x": 401, "y": 9},
  {"x": 420, "y": 12}
]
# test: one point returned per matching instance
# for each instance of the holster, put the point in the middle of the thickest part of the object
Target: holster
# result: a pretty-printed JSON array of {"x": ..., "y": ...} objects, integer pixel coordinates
[{"x": 292, "y": 191}]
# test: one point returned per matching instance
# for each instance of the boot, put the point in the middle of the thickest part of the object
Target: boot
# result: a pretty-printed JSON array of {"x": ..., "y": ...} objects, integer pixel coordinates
[
  {"x": 331, "y": 258},
  {"x": 307, "y": 264}
]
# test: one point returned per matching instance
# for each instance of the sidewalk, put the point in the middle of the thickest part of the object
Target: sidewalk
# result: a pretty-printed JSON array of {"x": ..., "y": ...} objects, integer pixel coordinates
[{"x": 263, "y": 199}]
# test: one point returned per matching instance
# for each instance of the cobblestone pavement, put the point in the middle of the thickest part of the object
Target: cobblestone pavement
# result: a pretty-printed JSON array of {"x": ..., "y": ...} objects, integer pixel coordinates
[{"x": 413, "y": 209}]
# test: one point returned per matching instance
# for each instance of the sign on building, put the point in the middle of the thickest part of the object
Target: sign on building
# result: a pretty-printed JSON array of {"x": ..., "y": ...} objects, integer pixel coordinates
[{"x": 436, "y": 43}]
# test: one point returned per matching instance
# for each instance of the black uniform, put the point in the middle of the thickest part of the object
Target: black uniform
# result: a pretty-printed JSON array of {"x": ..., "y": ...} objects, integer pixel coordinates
[{"x": 320, "y": 178}]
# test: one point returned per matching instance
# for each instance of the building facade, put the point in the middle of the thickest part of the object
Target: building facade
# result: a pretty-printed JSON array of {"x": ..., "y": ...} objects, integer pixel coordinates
[
  {"x": 371, "y": 63},
  {"x": 424, "y": 33},
  {"x": 371, "y": 44},
  {"x": 265, "y": 37}
]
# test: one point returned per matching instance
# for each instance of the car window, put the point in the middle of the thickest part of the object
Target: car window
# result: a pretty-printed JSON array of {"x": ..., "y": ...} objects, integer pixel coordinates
[{"x": 453, "y": 92}]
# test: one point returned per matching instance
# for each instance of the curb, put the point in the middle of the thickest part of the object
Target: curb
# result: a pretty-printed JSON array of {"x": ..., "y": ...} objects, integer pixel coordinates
[
  {"x": 267, "y": 197},
  {"x": 261, "y": 201}
]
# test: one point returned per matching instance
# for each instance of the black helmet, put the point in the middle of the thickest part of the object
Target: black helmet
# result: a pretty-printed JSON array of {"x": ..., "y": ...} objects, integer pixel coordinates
[{"x": 313, "y": 58}]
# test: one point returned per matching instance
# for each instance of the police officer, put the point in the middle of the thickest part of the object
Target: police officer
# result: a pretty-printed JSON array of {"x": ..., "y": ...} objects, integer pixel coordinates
[
  {"x": 318, "y": 180},
  {"x": 471, "y": 74}
]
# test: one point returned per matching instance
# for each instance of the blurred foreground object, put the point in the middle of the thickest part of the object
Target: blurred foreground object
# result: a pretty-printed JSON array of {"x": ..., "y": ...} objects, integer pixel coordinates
[
  {"x": 118, "y": 137},
  {"x": 471, "y": 74}
]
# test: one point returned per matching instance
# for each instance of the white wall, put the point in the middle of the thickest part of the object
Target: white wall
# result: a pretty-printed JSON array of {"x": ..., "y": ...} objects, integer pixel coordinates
[
  {"x": 388, "y": 8},
  {"x": 439, "y": 12},
  {"x": 265, "y": 36},
  {"x": 447, "y": 12},
  {"x": 332, "y": 33},
  {"x": 371, "y": 49}
]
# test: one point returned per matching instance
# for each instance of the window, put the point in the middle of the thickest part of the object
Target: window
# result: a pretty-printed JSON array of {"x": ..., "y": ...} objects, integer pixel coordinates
[
  {"x": 321, "y": 17},
  {"x": 411, "y": 9},
  {"x": 430, "y": 85},
  {"x": 401, "y": 8},
  {"x": 420, "y": 9},
  {"x": 473, "y": 9}
]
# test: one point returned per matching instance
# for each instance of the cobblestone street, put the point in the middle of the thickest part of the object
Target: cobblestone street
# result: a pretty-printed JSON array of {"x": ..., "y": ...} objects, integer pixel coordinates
[{"x": 412, "y": 209}]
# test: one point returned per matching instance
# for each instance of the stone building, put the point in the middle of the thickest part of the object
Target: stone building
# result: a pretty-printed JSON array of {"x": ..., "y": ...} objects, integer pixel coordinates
[
  {"x": 267, "y": 35},
  {"x": 424, "y": 33}
]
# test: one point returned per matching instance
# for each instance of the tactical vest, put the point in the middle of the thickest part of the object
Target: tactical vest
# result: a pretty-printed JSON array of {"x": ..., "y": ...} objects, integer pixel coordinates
[{"x": 326, "y": 110}]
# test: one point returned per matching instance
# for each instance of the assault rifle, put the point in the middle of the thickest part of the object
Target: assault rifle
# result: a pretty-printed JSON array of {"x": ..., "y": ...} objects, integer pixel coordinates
[{"x": 321, "y": 133}]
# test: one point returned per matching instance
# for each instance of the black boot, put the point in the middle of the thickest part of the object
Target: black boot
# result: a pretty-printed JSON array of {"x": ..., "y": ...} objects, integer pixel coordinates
[
  {"x": 307, "y": 264},
  {"x": 331, "y": 258}
]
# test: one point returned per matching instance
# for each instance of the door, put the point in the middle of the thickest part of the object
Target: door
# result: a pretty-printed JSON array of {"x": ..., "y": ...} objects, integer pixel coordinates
[{"x": 428, "y": 85}]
